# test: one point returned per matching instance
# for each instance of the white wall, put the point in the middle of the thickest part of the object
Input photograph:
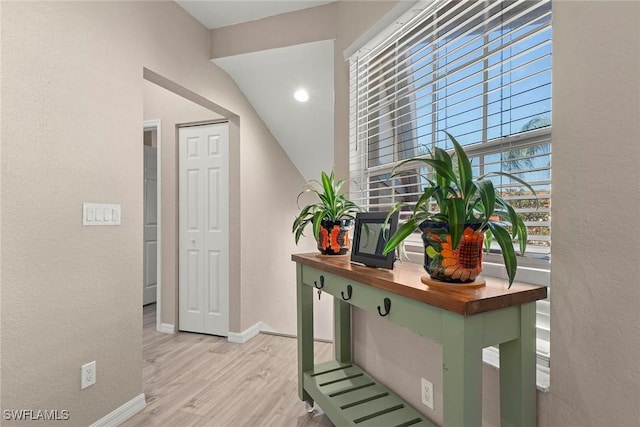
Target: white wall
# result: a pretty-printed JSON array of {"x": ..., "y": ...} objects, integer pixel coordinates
[
  {"x": 72, "y": 113},
  {"x": 595, "y": 338}
]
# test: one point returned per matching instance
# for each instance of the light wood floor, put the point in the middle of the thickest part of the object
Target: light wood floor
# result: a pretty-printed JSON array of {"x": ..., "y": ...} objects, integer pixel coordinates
[{"x": 202, "y": 380}]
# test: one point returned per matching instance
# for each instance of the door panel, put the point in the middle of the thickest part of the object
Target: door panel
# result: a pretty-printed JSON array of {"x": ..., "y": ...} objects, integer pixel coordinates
[
  {"x": 214, "y": 199},
  {"x": 204, "y": 229},
  {"x": 193, "y": 282},
  {"x": 214, "y": 277},
  {"x": 193, "y": 179}
]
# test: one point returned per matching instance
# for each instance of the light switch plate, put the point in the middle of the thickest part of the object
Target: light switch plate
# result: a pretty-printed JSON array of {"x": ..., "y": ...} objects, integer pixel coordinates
[{"x": 100, "y": 214}]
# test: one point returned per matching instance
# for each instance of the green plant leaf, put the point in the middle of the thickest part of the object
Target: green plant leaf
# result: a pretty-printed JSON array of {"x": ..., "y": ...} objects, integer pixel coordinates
[
  {"x": 444, "y": 173},
  {"x": 464, "y": 165},
  {"x": 317, "y": 220},
  {"x": 300, "y": 230},
  {"x": 404, "y": 231},
  {"x": 508, "y": 254},
  {"x": 441, "y": 154},
  {"x": 441, "y": 168},
  {"x": 468, "y": 193},
  {"x": 327, "y": 184},
  {"x": 511, "y": 214},
  {"x": 456, "y": 216},
  {"x": 521, "y": 232},
  {"x": 424, "y": 199},
  {"x": 450, "y": 191},
  {"x": 515, "y": 178},
  {"x": 394, "y": 209},
  {"x": 296, "y": 223},
  {"x": 442, "y": 180},
  {"x": 488, "y": 196}
]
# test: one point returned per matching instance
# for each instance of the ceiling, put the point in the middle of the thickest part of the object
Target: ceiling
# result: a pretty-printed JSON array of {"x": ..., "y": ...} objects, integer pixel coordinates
[
  {"x": 269, "y": 79},
  {"x": 220, "y": 13}
]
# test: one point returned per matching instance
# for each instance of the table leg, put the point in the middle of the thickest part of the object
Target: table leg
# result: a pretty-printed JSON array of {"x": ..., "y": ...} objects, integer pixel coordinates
[
  {"x": 518, "y": 373},
  {"x": 462, "y": 370},
  {"x": 341, "y": 330},
  {"x": 305, "y": 333}
]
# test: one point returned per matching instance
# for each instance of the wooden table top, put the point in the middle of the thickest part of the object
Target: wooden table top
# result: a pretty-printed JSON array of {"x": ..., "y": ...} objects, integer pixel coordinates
[{"x": 404, "y": 280}]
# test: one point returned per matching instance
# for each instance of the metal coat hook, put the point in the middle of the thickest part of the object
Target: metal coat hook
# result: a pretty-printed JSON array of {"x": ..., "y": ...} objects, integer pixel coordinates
[
  {"x": 387, "y": 307},
  {"x": 349, "y": 292},
  {"x": 321, "y": 283}
]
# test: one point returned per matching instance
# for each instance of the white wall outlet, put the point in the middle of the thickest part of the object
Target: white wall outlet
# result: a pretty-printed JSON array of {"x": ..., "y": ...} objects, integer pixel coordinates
[
  {"x": 88, "y": 375},
  {"x": 427, "y": 393}
]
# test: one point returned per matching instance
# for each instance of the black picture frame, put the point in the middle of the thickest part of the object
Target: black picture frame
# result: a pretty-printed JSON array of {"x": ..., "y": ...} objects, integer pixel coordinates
[{"x": 369, "y": 240}]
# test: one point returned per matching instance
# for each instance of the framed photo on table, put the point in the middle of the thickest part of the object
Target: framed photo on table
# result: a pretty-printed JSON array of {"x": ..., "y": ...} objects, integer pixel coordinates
[{"x": 371, "y": 236}]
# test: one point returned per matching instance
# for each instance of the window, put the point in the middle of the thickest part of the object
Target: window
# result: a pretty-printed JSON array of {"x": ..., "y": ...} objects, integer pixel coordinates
[{"x": 480, "y": 70}]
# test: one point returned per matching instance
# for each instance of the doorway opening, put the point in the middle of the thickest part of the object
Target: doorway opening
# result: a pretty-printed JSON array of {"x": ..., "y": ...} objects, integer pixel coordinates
[
  {"x": 152, "y": 271},
  {"x": 177, "y": 107}
]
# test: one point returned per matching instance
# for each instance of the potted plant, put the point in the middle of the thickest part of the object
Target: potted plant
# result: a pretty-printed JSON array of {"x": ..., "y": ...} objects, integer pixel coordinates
[
  {"x": 467, "y": 209},
  {"x": 331, "y": 216}
]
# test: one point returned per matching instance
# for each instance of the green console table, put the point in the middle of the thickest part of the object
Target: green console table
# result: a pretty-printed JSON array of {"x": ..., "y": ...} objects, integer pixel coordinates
[{"x": 463, "y": 321}]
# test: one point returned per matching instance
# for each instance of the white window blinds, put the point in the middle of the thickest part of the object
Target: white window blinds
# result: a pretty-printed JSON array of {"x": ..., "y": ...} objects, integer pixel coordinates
[{"x": 480, "y": 70}]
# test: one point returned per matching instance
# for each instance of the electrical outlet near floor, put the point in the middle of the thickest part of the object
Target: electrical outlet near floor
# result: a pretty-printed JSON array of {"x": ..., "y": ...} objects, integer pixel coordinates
[
  {"x": 427, "y": 393},
  {"x": 88, "y": 375}
]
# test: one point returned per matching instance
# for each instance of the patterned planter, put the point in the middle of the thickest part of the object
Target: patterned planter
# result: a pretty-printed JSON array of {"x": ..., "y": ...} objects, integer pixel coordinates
[
  {"x": 334, "y": 237},
  {"x": 461, "y": 265}
]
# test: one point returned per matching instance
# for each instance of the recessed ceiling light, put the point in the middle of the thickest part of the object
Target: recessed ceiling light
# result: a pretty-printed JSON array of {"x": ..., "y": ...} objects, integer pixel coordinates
[{"x": 301, "y": 95}]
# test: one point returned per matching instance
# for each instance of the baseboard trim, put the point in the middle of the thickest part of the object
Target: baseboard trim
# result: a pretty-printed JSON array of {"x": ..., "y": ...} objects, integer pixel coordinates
[
  {"x": 262, "y": 328},
  {"x": 243, "y": 337},
  {"x": 123, "y": 413},
  {"x": 278, "y": 334},
  {"x": 167, "y": 328}
]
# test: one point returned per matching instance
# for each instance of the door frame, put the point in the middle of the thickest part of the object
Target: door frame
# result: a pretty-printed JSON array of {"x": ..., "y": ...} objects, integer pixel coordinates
[{"x": 157, "y": 126}]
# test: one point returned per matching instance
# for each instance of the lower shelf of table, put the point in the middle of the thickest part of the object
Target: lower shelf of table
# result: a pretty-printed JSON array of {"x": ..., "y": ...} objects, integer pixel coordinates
[{"x": 351, "y": 397}]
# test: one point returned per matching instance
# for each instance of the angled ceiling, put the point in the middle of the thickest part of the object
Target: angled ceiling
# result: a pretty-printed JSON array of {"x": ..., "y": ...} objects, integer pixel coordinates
[
  {"x": 269, "y": 79},
  {"x": 220, "y": 13}
]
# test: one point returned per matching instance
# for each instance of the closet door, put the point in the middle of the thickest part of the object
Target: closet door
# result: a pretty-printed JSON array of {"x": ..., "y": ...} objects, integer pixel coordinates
[{"x": 204, "y": 229}]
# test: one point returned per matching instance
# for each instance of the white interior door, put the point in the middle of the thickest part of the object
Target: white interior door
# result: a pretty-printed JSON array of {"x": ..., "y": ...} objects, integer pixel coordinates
[
  {"x": 204, "y": 229},
  {"x": 150, "y": 279}
]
